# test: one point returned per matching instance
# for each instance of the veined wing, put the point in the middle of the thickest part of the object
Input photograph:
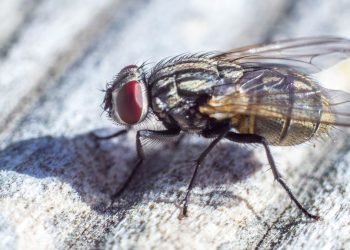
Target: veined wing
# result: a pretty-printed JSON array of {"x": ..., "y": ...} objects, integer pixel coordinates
[
  {"x": 279, "y": 92},
  {"x": 309, "y": 55}
]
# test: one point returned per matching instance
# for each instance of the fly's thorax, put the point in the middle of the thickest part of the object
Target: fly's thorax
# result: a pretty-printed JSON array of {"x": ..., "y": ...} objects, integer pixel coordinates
[
  {"x": 176, "y": 87},
  {"x": 230, "y": 71},
  {"x": 179, "y": 86},
  {"x": 192, "y": 74}
]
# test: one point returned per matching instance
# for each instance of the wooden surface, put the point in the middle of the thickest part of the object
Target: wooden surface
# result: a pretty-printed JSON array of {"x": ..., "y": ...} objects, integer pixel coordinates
[{"x": 56, "y": 180}]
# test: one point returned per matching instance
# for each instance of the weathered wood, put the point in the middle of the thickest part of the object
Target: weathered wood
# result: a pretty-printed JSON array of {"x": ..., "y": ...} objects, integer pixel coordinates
[
  {"x": 43, "y": 47},
  {"x": 13, "y": 14},
  {"x": 56, "y": 180}
]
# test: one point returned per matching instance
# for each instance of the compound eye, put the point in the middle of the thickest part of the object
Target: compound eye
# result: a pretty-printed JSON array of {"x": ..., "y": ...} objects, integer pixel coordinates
[{"x": 129, "y": 102}]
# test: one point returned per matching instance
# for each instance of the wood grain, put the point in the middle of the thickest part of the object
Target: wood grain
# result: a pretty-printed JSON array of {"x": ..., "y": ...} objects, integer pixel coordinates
[{"x": 56, "y": 180}]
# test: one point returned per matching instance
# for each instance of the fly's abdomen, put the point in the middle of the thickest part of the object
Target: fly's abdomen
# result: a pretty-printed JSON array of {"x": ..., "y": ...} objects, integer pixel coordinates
[
  {"x": 285, "y": 107},
  {"x": 290, "y": 124},
  {"x": 281, "y": 132}
]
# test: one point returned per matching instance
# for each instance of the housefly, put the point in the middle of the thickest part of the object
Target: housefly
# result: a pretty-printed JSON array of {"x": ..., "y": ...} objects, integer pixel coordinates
[{"x": 262, "y": 94}]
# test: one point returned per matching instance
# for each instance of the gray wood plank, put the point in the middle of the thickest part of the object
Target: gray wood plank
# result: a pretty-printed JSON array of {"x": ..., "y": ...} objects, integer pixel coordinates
[
  {"x": 12, "y": 16},
  {"x": 53, "y": 38},
  {"x": 56, "y": 181}
]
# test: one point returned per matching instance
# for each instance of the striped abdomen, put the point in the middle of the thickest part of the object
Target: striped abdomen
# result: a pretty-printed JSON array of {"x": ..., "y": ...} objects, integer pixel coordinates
[
  {"x": 283, "y": 106},
  {"x": 282, "y": 132}
]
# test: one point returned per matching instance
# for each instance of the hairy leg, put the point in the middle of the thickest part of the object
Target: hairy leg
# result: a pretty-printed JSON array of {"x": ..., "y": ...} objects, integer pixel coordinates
[
  {"x": 140, "y": 153},
  {"x": 198, "y": 162},
  {"x": 251, "y": 138},
  {"x": 116, "y": 134}
]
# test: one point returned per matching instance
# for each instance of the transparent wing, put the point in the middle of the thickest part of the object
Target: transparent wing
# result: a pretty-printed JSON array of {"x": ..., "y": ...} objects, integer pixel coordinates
[
  {"x": 279, "y": 92},
  {"x": 309, "y": 55}
]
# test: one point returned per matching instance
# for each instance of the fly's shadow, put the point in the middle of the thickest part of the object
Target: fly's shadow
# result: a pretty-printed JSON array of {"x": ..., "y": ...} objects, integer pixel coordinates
[{"x": 96, "y": 169}]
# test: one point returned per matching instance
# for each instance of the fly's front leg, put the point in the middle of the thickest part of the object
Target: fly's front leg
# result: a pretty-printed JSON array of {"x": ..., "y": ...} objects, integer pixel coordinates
[
  {"x": 198, "y": 162},
  {"x": 251, "y": 138},
  {"x": 140, "y": 153},
  {"x": 116, "y": 134}
]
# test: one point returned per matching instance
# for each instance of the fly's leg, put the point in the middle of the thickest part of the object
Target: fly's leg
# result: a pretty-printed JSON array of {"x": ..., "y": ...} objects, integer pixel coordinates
[
  {"x": 251, "y": 138},
  {"x": 140, "y": 153},
  {"x": 173, "y": 145},
  {"x": 116, "y": 134},
  {"x": 178, "y": 141},
  {"x": 198, "y": 162}
]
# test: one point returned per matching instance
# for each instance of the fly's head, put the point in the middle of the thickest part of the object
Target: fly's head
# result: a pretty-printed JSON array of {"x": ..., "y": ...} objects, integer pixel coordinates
[{"x": 126, "y": 99}]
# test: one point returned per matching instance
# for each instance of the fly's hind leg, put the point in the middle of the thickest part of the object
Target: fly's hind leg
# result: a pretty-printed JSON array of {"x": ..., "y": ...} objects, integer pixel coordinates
[{"x": 251, "y": 138}]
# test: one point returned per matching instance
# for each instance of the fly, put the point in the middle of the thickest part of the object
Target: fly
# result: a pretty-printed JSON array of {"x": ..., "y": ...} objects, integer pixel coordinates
[{"x": 262, "y": 94}]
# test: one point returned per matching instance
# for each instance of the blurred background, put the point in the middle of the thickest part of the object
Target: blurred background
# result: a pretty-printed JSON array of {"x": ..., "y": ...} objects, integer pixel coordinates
[{"x": 55, "y": 58}]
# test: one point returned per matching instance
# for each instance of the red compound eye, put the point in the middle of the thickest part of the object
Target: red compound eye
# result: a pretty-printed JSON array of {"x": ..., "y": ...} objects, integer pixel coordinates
[{"x": 129, "y": 102}]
